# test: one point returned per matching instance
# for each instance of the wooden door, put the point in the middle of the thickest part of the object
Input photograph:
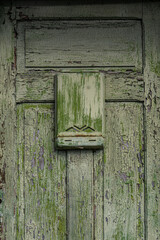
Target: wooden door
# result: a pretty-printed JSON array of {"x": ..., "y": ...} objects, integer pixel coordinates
[
  {"x": 113, "y": 177},
  {"x": 80, "y": 194}
]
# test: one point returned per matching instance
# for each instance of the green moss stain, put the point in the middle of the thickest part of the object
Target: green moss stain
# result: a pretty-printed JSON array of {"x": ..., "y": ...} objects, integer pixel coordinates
[
  {"x": 82, "y": 211},
  {"x": 44, "y": 192},
  {"x": 156, "y": 68},
  {"x": 38, "y": 106},
  {"x": 20, "y": 168},
  {"x": 71, "y": 102},
  {"x": 155, "y": 65}
]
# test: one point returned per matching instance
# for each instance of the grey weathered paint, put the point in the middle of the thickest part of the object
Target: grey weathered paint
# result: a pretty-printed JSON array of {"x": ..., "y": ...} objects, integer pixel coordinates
[
  {"x": 40, "y": 85},
  {"x": 7, "y": 125},
  {"x": 99, "y": 43},
  {"x": 124, "y": 172},
  {"x": 80, "y": 110},
  {"x": 41, "y": 175},
  {"x": 152, "y": 104},
  {"x": 30, "y": 88}
]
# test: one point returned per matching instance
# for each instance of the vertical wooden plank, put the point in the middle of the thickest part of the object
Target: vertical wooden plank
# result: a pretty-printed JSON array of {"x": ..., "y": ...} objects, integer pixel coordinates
[
  {"x": 151, "y": 19},
  {"x": 98, "y": 192},
  {"x": 7, "y": 124},
  {"x": 20, "y": 174},
  {"x": 124, "y": 172},
  {"x": 79, "y": 194},
  {"x": 44, "y": 176}
]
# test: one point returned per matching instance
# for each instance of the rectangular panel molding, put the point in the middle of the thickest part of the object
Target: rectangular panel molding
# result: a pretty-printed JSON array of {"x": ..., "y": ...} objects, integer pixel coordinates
[{"x": 75, "y": 43}]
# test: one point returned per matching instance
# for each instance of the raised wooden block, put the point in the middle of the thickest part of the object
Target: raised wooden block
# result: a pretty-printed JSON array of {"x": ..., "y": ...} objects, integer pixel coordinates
[{"x": 80, "y": 110}]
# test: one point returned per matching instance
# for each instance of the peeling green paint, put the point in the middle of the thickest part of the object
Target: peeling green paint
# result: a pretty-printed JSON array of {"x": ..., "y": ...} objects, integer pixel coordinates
[
  {"x": 124, "y": 185},
  {"x": 81, "y": 104},
  {"x": 44, "y": 177}
]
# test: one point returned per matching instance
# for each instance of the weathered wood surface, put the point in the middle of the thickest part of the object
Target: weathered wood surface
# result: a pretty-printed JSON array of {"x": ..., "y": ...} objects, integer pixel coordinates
[
  {"x": 97, "y": 43},
  {"x": 119, "y": 10},
  {"x": 124, "y": 172},
  {"x": 125, "y": 85},
  {"x": 85, "y": 194},
  {"x": 35, "y": 86},
  {"x": 82, "y": 102},
  {"x": 152, "y": 94},
  {"x": 98, "y": 195},
  {"x": 41, "y": 179},
  {"x": 79, "y": 194},
  {"x": 7, "y": 127},
  {"x": 40, "y": 85},
  {"x": 20, "y": 208},
  {"x": 80, "y": 110},
  {"x": 26, "y": 91}
]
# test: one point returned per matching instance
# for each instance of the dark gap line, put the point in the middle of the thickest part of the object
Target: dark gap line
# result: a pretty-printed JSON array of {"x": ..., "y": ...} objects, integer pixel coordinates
[
  {"x": 123, "y": 100},
  {"x": 145, "y": 175},
  {"x": 84, "y": 67},
  {"x": 48, "y": 19},
  {"x": 103, "y": 156},
  {"x": 34, "y": 101},
  {"x": 86, "y": 70},
  {"x": 67, "y": 200},
  {"x": 145, "y": 133},
  {"x": 24, "y": 167},
  {"x": 53, "y": 101},
  {"x": 93, "y": 197},
  {"x": 143, "y": 46}
]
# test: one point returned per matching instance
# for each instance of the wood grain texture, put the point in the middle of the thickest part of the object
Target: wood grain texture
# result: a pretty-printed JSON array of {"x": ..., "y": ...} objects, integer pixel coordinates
[
  {"x": 39, "y": 86},
  {"x": 42, "y": 173},
  {"x": 118, "y": 10},
  {"x": 126, "y": 85},
  {"x": 7, "y": 127},
  {"x": 35, "y": 86},
  {"x": 98, "y": 195},
  {"x": 152, "y": 95},
  {"x": 124, "y": 172},
  {"x": 93, "y": 43},
  {"x": 20, "y": 210},
  {"x": 80, "y": 110},
  {"x": 80, "y": 194},
  {"x": 82, "y": 102},
  {"x": 119, "y": 85}
]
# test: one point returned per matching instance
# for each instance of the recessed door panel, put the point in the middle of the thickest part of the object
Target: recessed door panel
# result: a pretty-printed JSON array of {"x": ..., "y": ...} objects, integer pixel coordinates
[{"x": 87, "y": 44}]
